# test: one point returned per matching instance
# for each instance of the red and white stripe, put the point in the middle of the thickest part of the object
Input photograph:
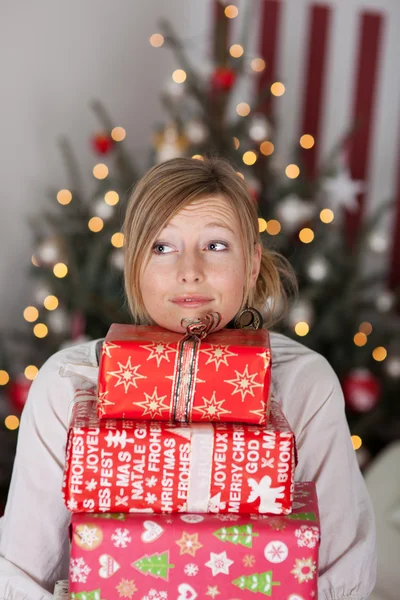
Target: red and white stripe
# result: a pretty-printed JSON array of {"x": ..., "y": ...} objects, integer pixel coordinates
[{"x": 338, "y": 60}]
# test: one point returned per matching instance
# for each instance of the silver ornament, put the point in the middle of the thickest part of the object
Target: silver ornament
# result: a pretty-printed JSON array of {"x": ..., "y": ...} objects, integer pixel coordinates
[
  {"x": 58, "y": 321},
  {"x": 392, "y": 366},
  {"x": 378, "y": 242},
  {"x": 292, "y": 211},
  {"x": 301, "y": 312},
  {"x": 317, "y": 268},
  {"x": 195, "y": 131},
  {"x": 102, "y": 209},
  {"x": 259, "y": 128},
  {"x": 385, "y": 301},
  {"x": 117, "y": 259},
  {"x": 41, "y": 292},
  {"x": 48, "y": 252}
]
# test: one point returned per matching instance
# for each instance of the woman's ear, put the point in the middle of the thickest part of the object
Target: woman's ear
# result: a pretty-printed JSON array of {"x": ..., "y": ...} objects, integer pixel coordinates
[{"x": 255, "y": 265}]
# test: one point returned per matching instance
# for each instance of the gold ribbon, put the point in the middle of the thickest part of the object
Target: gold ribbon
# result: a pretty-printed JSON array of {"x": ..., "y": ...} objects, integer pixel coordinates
[{"x": 185, "y": 371}]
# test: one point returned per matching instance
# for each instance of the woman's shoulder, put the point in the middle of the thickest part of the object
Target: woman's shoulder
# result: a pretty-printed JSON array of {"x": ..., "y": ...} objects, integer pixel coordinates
[
  {"x": 286, "y": 351},
  {"x": 302, "y": 379}
]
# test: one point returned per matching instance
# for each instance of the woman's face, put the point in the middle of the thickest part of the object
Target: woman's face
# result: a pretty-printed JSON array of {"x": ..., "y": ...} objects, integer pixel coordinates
[{"x": 197, "y": 266}]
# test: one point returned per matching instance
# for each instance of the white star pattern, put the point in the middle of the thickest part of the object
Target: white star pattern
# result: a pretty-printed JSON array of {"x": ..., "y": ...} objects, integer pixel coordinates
[
  {"x": 266, "y": 355},
  {"x": 212, "y": 408},
  {"x": 244, "y": 383},
  {"x": 91, "y": 485},
  {"x": 72, "y": 504},
  {"x": 127, "y": 375},
  {"x": 104, "y": 401},
  {"x": 107, "y": 347},
  {"x": 159, "y": 351},
  {"x": 121, "y": 538},
  {"x": 219, "y": 563},
  {"x": 218, "y": 355},
  {"x": 261, "y": 413},
  {"x": 151, "y": 481},
  {"x": 212, "y": 591},
  {"x": 153, "y": 405},
  {"x": 342, "y": 191}
]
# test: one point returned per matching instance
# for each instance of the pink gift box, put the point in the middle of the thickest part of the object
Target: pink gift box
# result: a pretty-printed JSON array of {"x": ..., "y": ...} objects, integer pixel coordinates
[{"x": 188, "y": 556}]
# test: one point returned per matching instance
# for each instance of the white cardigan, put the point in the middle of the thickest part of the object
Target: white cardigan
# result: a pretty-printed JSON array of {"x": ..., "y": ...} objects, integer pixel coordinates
[{"x": 34, "y": 543}]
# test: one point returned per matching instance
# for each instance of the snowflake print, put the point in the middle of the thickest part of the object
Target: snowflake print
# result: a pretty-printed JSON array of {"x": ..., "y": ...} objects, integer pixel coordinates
[
  {"x": 126, "y": 588},
  {"x": 249, "y": 560},
  {"x": 151, "y": 481},
  {"x": 308, "y": 536},
  {"x": 219, "y": 563},
  {"x": 150, "y": 498},
  {"x": 91, "y": 485},
  {"x": 304, "y": 569},
  {"x": 121, "y": 538},
  {"x": 191, "y": 569},
  {"x": 228, "y": 517},
  {"x": 72, "y": 504},
  {"x": 89, "y": 535},
  {"x": 78, "y": 570},
  {"x": 276, "y": 551}
]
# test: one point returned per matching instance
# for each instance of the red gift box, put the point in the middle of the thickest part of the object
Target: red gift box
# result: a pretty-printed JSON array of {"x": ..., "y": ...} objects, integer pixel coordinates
[
  {"x": 141, "y": 466},
  {"x": 150, "y": 373},
  {"x": 188, "y": 556}
]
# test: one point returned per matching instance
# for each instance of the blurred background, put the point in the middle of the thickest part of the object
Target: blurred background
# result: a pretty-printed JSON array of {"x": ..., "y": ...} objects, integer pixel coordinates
[{"x": 303, "y": 97}]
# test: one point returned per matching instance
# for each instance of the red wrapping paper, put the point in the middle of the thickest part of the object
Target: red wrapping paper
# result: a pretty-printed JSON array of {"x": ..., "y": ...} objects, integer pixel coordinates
[
  {"x": 184, "y": 557},
  {"x": 146, "y": 373},
  {"x": 142, "y": 466}
]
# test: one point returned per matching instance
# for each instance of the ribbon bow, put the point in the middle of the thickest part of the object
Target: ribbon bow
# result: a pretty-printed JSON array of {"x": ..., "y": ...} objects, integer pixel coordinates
[{"x": 200, "y": 328}]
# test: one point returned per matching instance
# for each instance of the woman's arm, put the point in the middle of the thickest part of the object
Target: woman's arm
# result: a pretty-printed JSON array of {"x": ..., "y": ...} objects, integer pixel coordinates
[
  {"x": 34, "y": 543},
  {"x": 313, "y": 402}
]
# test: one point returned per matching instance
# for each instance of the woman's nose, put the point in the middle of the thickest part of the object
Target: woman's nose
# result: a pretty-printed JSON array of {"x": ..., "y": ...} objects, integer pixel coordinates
[{"x": 190, "y": 269}]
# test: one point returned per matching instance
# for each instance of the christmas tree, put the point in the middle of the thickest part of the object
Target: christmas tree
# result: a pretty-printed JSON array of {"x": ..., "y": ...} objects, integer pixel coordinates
[
  {"x": 156, "y": 565},
  {"x": 258, "y": 582},
  {"x": 346, "y": 315},
  {"x": 242, "y": 535}
]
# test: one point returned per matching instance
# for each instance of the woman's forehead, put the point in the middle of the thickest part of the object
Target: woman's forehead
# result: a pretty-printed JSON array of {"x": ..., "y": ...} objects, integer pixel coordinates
[{"x": 205, "y": 209}]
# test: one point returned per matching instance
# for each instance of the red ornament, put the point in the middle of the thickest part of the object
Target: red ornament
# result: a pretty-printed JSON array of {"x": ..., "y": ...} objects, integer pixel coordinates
[
  {"x": 222, "y": 79},
  {"x": 102, "y": 143},
  {"x": 361, "y": 390},
  {"x": 18, "y": 390}
]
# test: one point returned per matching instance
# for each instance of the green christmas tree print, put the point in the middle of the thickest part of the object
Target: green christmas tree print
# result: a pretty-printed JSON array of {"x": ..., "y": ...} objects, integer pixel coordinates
[
  {"x": 156, "y": 565},
  {"x": 307, "y": 516},
  {"x": 241, "y": 534},
  {"x": 258, "y": 582},
  {"x": 93, "y": 595}
]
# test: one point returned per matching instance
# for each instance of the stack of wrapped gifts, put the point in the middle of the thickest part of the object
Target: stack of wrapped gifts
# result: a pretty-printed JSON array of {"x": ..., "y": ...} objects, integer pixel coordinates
[{"x": 180, "y": 474}]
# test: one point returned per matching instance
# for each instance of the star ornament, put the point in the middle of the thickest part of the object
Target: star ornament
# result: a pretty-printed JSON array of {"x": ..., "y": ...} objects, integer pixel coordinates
[
  {"x": 189, "y": 543},
  {"x": 159, "y": 351},
  {"x": 107, "y": 347},
  {"x": 103, "y": 401},
  {"x": 212, "y": 408},
  {"x": 212, "y": 591},
  {"x": 342, "y": 191},
  {"x": 218, "y": 355},
  {"x": 154, "y": 405},
  {"x": 127, "y": 375},
  {"x": 244, "y": 383},
  {"x": 219, "y": 563}
]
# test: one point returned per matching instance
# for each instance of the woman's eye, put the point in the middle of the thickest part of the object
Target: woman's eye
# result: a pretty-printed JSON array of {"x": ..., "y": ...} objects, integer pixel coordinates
[
  {"x": 217, "y": 246},
  {"x": 162, "y": 249}
]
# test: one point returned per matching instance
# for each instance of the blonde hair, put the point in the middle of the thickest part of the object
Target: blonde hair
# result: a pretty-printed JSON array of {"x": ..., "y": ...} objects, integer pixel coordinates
[{"x": 170, "y": 186}]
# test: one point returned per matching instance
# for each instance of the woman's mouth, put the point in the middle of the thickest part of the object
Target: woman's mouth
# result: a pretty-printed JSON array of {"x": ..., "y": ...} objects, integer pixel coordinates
[{"x": 191, "y": 301}]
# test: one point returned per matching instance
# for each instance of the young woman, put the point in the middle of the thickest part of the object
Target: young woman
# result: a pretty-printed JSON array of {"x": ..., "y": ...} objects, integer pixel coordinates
[{"x": 192, "y": 246}]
